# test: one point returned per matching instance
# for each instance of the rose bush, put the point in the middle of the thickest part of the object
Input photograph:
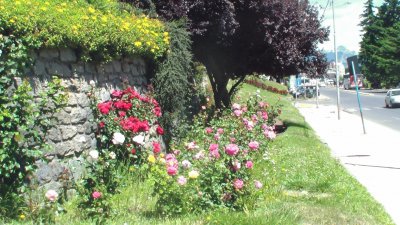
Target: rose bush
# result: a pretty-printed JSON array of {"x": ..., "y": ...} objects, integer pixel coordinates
[
  {"x": 211, "y": 167},
  {"x": 128, "y": 135}
]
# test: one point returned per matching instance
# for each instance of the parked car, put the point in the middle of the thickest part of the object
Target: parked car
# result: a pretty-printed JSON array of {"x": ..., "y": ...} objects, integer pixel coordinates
[{"x": 392, "y": 98}]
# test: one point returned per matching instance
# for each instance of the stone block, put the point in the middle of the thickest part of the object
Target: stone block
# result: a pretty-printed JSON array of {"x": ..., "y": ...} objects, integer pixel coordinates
[
  {"x": 63, "y": 116},
  {"x": 85, "y": 128},
  {"x": 72, "y": 99},
  {"x": 126, "y": 67},
  {"x": 108, "y": 68},
  {"x": 78, "y": 68},
  {"x": 83, "y": 100},
  {"x": 49, "y": 172},
  {"x": 68, "y": 131},
  {"x": 49, "y": 53},
  {"x": 54, "y": 68},
  {"x": 67, "y": 55},
  {"x": 90, "y": 68},
  {"x": 117, "y": 66},
  {"x": 54, "y": 134},
  {"x": 39, "y": 68},
  {"x": 78, "y": 115}
]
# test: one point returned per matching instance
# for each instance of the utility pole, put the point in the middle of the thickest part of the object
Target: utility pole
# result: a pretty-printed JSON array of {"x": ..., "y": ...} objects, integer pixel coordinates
[{"x": 336, "y": 62}]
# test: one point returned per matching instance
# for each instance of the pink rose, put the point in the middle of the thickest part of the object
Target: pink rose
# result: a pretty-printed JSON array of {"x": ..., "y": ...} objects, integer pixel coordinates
[
  {"x": 220, "y": 131},
  {"x": 236, "y": 166},
  {"x": 186, "y": 164},
  {"x": 96, "y": 195},
  {"x": 209, "y": 130},
  {"x": 172, "y": 170},
  {"x": 215, "y": 154},
  {"x": 270, "y": 134},
  {"x": 265, "y": 115},
  {"x": 238, "y": 184},
  {"x": 238, "y": 112},
  {"x": 182, "y": 180},
  {"x": 159, "y": 130},
  {"x": 249, "y": 164},
  {"x": 192, "y": 145},
  {"x": 156, "y": 147},
  {"x": 51, "y": 195},
  {"x": 231, "y": 149},
  {"x": 213, "y": 147},
  {"x": 253, "y": 145},
  {"x": 257, "y": 184},
  {"x": 217, "y": 137},
  {"x": 236, "y": 106}
]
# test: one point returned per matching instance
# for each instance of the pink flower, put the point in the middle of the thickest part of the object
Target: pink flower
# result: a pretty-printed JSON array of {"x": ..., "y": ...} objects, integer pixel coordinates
[
  {"x": 270, "y": 134},
  {"x": 258, "y": 184},
  {"x": 199, "y": 155},
  {"x": 231, "y": 149},
  {"x": 263, "y": 104},
  {"x": 157, "y": 111},
  {"x": 249, "y": 164},
  {"x": 172, "y": 170},
  {"x": 51, "y": 195},
  {"x": 209, "y": 130},
  {"x": 117, "y": 94},
  {"x": 254, "y": 145},
  {"x": 254, "y": 118},
  {"x": 192, "y": 145},
  {"x": 238, "y": 112},
  {"x": 232, "y": 140},
  {"x": 182, "y": 180},
  {"x": 215, "y": 154},
  {"x": 265, "y": 115},
  {"x": 104, "y": 107},
  {"x": 213, "y": 147},
  {"x": 203, "y": 107},
  {"x": 236, "y": 166},
  {"x": 102, "y": 124},
  {"x": 96, "y": 195},
  {"x": 121, "y": 113},
  {"x": 220, "y": 131},
  {"x": 236, "y": 106},
  {"x": 238, "y": 184},
  {"x": 156, "y": 147},
  {"x": 216, "y": 137}
]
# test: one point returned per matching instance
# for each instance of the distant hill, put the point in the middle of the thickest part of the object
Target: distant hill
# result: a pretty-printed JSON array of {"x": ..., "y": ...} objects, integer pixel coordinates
[{"x": 343, "y": 54}]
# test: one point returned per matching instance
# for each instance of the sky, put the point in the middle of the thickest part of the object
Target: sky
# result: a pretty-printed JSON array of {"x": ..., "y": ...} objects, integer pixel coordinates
[{"x": 347, "y": 19}]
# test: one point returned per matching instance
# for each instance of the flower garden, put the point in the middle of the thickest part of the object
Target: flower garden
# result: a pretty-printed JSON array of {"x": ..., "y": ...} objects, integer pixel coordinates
[{"x": 225, "y": 167}]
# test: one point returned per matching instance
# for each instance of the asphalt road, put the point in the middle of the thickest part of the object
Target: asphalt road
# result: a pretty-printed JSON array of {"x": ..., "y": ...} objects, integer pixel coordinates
[{"x": 373, "y": 106}]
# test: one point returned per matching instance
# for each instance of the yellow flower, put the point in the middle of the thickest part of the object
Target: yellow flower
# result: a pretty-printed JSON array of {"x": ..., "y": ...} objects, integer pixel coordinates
[
  {"x": 91, "y": 9},
  {"x": 12, "y": 21},
  {"x": 43, "y": 8},
  {"x": 22, "y": 216},
  {"x": 138, "y": 43},
  {"x": 151, "y": 159},
  {"x": 131, "y": 168},
  {"x": 104, "y": 19},
  {"x": 85, "y": 17},
  {"x": 193, "y": 174},
  {"x": 162, "y": 155}
]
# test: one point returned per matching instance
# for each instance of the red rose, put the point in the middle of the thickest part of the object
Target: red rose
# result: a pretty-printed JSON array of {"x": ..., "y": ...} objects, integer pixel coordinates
[
  {"x": 156, "y": 147},
  {"x": 104, "y": 107},
  {"x": 102, "y": 124},
  {"x": 133, "y": 151},
  {"x": 157, "y": 111},
  {"x": 122, "y": 105},
  {"x": 122, "y": 113},
  {"x": 117, "y": 94},
  {"x": 159, "y": 130},
  {"x": 144, "y": 126}
]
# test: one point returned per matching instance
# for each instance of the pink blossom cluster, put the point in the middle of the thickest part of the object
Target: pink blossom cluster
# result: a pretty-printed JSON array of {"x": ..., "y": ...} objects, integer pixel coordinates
[{"x": 172, "y": 164}]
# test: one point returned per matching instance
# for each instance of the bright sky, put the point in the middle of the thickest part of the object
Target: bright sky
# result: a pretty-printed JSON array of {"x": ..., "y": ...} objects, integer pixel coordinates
[{"x": 347, "y": 19}]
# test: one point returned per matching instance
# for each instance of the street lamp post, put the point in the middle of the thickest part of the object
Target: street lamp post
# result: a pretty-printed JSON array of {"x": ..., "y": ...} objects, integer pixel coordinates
[{"x": 336, "y": 62}]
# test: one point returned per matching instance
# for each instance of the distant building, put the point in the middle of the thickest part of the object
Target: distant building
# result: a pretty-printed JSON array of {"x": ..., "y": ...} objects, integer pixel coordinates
[{"x": 331, "y": 72}]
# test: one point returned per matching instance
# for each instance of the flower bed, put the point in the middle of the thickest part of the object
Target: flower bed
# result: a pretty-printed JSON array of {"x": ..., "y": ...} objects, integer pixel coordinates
[
  {"x": 212, "y": 167},
  {"x": 263, "y": 86}
]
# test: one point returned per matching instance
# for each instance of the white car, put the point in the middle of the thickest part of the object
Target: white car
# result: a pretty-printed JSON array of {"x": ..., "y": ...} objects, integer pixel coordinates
[{"x": 392, "y": 98}]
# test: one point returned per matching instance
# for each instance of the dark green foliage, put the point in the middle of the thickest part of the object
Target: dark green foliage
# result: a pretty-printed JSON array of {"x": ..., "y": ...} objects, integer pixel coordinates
[
  {"x": 380, "y": 49},
  {"x": 172, "y": 86}
]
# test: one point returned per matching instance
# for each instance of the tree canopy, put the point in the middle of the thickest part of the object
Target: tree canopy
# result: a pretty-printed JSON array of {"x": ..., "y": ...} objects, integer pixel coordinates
[
  {"x": 380, "y": 49},
  {"x": 234, "y": 38}
]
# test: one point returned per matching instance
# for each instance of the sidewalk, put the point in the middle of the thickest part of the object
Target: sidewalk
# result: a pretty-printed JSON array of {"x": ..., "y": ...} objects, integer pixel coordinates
[{"x": 372, "y": 158}]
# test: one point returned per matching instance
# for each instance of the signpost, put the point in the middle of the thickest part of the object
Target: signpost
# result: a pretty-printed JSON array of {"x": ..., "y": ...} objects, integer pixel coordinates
[{"x": 358, "y": 96}]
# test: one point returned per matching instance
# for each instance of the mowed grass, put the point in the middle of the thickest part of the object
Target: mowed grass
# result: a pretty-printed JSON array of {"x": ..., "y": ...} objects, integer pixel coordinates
[{"x": 303, "y": 184}]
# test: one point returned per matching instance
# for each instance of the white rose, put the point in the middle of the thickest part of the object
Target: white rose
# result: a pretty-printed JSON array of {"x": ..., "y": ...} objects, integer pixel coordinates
[
  {"x": 112, "y": 155},
  {"x": 118, "y": 138},
  {"x": 94, "y": 154},
  {"x": 139, "y": 139}
]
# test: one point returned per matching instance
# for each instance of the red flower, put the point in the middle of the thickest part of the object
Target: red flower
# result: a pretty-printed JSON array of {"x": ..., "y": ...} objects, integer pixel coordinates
[
  {"x": 155, "y": 103},
  {"x": 104, "y": 107},
  {"x": 102, "y": 124},
  {"x": 160, "y": 130},
  {"x": 156, "y": 147},
  {"x": 122, "y": 113},
  {"x": 122, "y": 105},
  {"x": 133, "y": 151},
  {"x": 157, "y": 111},
  {"x": 144, "y": 126}
]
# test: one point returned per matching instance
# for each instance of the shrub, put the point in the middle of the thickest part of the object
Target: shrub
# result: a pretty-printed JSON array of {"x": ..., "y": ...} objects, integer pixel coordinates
[
  {"x": 260, "y": 84},
  {"x": 99, "y": 30},
  {"x": 211, "y": 167}
]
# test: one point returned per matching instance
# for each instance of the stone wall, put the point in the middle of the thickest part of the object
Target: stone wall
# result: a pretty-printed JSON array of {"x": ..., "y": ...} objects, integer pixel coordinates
[{"x": 74, "y": 133}]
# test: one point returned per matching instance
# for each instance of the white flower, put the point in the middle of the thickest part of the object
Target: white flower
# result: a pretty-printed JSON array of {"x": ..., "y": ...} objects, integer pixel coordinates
[
  {"x": 118, "y": 138},
  {"x": 94, "y": 154},
  {"x": 112, "y": 155},
  {"x": 186, "y": 164},
  {"x": 92, "y": 83},
  {"x": 139, "y": 139}
]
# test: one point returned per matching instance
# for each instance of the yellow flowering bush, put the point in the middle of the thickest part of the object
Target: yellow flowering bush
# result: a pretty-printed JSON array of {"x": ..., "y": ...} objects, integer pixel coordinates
[{"x": 100, "y": 31}]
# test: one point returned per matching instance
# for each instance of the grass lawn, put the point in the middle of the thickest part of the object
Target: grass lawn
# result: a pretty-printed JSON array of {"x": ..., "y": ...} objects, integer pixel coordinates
[{"x": 303, "y": 184}]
